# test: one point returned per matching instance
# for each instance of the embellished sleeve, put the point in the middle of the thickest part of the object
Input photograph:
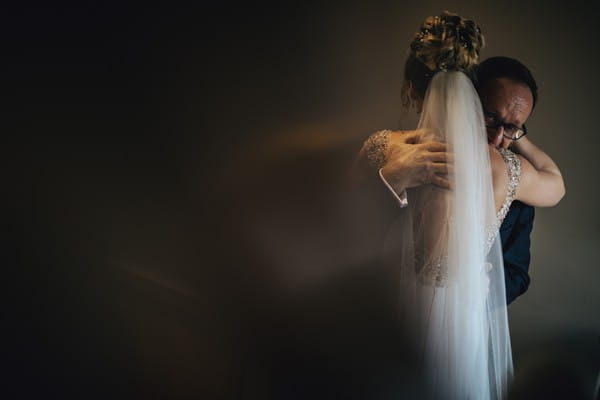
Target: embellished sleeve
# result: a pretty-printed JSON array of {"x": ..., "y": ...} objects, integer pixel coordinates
[{"x": 375, "y": 148}]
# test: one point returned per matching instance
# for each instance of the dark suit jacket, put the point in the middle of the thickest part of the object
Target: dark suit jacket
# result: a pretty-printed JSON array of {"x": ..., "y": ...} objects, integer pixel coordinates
[{"x": 514, "y": 232}]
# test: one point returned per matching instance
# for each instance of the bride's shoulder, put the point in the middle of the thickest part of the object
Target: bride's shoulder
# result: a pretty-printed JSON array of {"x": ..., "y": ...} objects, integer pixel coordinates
[
  {"x": 495, "y": 155},
  {"x": 499, "y": 174}
]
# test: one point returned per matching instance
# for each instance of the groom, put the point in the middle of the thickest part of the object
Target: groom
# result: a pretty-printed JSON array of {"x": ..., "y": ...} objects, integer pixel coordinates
[{"x": 508, "y": 93}]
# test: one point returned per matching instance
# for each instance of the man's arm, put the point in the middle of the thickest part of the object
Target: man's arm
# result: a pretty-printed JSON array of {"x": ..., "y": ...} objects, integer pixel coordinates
[
  {"x": 410, "y": 160},
  {"x": 516, "y": 249}
]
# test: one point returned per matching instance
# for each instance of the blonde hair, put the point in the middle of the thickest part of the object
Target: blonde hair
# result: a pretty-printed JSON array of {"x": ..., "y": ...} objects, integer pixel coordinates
[{"x": 446, "y": 42}]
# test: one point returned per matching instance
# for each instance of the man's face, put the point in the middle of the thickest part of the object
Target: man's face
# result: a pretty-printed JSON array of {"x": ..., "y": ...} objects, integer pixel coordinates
[{"x": 510, "y": 101}]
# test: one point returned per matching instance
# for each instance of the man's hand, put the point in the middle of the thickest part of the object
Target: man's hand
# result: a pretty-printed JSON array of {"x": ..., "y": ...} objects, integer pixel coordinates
[{"x": 413, "y": 160}]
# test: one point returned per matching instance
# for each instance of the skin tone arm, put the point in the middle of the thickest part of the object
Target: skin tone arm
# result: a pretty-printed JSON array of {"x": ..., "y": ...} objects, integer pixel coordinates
[{"x": 541, "y": 183}]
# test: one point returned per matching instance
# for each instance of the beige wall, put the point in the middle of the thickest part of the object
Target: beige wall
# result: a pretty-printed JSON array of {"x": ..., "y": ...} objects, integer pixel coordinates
[
  {"x": 345, "y": 79},
  {"x": 176, "y": 199}
]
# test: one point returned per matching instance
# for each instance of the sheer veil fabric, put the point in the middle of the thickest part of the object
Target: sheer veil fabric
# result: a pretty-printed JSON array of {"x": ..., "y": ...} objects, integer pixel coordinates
[{"x": 451, "y": 269}]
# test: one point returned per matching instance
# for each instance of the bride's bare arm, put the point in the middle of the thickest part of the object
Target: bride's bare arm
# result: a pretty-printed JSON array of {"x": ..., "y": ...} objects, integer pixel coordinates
[{"x": 541, "y": 183}]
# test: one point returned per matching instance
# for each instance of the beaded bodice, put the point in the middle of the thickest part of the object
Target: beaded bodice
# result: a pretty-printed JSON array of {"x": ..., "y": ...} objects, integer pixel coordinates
[{"x": 435, "y": 272}]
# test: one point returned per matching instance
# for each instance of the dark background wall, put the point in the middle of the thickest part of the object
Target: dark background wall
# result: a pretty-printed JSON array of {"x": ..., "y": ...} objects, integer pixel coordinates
[{"x": 177, "y": 225}]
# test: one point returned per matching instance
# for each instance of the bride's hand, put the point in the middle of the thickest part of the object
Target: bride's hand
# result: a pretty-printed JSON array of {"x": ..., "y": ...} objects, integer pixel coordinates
[{"x": 415, "y": 160}]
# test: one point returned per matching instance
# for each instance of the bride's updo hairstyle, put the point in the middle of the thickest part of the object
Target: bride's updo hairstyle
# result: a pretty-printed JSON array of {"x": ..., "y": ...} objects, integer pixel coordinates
[{"x": 446, "y": 42}]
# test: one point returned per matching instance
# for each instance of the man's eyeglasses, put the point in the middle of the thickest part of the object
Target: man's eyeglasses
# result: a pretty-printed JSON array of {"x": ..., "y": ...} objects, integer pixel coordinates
[{"x": 511, "y": 131}]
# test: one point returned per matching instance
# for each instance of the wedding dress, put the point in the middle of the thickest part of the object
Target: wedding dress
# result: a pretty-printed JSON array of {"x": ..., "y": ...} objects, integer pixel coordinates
[{"x": 448, "y": 249}]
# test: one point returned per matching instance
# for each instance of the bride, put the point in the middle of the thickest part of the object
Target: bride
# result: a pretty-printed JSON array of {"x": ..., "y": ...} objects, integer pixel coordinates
[{"x": 451, "y": 270}]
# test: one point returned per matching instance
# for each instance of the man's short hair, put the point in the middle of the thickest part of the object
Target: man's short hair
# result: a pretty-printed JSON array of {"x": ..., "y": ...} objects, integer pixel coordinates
[{"x": 505, "y": 67}]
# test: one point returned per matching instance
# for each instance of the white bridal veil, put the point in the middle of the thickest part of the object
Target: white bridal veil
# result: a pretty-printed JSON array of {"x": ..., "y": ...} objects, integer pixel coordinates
[{"x": 452, "y": 276}]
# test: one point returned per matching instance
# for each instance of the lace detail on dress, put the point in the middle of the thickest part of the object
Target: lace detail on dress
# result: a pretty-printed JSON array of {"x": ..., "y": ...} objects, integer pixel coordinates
[
  {"x": 433, "y": 273},
  {"x": 514, "y": 176}
]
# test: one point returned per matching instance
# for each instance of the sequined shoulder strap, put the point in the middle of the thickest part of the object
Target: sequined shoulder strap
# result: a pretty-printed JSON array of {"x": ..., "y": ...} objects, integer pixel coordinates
[{"x": 514, "y": 176}]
